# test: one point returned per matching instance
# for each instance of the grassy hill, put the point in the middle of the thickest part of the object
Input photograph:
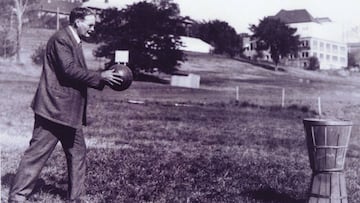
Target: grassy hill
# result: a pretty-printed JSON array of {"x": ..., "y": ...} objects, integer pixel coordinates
[{"x": 158, "y": 143}]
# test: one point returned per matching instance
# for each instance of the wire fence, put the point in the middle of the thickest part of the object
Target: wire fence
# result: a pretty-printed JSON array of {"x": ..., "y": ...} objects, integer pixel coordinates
[{"x": 316, "y": 100}]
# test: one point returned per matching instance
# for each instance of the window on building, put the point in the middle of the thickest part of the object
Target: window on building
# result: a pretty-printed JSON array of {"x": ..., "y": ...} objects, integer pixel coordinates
[
  {"x": 328, "y": 57},
  {"x": 305, "y": 43},
  {"x": 315, "y": 45},
  {"x": 334, "y": 48},
  {"x": 334, "y": 58},
  {"x": 321, "y": 56},
  {"x": 343, "y": 50},
  {"x": 305, "y": 54},
  {"x": 342, "y": 59},
  {"x": 292, "y": 56},
  {"x": 321, "y": 46},
  {"x": 315, "y": 54},
  {"x": 327, "y": 47}
]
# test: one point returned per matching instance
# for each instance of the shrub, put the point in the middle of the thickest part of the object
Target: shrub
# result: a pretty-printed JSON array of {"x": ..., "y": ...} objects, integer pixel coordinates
[
  {"x": 38, "y": 56},
  {"x": 314, "y": 63},
  {"x": 353, "y": 59}
]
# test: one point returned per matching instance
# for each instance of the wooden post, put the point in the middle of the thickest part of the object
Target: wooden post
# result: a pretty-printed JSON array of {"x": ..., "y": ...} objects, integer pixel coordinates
[
  {"x": 319, "y": 106},
  {"x": 237, "y": 93},
  {"x": 57, "y": 18},
  {"x": 283, "y": 98}
]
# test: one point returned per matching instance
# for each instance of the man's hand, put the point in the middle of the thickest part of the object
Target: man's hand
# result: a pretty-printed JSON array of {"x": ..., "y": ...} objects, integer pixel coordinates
[{"x": 111, "y": 77}]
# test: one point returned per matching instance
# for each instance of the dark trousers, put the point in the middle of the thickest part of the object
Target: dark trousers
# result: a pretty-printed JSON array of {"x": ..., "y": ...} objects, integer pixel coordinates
[{"x": 46, "y": 135}]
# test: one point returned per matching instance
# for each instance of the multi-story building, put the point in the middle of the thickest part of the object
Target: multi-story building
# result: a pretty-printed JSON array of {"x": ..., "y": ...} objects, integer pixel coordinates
[{"x": 320, "y": 38}]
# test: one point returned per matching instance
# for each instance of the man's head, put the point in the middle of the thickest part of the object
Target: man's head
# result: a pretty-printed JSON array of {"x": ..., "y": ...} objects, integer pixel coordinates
[{"x": 83, "y": 20}]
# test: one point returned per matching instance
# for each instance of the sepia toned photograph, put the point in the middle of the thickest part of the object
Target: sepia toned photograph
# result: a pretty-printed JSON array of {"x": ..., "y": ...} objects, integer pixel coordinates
[{"x": 180, "y": 101}]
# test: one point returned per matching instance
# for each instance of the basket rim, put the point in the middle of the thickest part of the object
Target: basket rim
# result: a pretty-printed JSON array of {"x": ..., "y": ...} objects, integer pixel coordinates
[{"x": 325, "y": 121}]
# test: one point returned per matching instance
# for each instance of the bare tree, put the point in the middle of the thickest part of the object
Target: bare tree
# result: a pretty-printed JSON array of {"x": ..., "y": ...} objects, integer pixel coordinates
[{"x": 20, "y": 7}]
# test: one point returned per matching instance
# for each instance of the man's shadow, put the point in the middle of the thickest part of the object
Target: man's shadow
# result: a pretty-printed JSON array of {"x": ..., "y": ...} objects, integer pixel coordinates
[{"x": 40, "y": 186}]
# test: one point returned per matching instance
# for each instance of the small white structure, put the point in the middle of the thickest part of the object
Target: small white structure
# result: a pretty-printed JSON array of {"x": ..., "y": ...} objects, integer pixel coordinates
[
  {"x": 190, "y": 81},
  {"x": 195, "y": 45},
  {"x": 122, "y": 56}
]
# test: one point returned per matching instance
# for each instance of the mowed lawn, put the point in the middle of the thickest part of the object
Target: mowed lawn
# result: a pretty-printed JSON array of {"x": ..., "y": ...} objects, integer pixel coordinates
[{"x": 157, "y": 143}]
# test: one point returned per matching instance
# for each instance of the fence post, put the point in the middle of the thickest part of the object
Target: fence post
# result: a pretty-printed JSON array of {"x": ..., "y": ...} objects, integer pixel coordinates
[
  {"x": 237, "y": 93},
  {"x": 57, "y": 18},
  {"x": 319, "y": 106},
  {"x": 283, "y": 98}
]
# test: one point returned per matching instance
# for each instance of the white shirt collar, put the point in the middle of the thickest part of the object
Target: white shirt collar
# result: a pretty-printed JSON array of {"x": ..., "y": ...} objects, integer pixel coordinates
[{"x": 75, "y": 34}]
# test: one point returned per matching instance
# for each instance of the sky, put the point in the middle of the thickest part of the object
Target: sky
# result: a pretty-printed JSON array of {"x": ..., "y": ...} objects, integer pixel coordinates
[{"x": 240, "y": 13}]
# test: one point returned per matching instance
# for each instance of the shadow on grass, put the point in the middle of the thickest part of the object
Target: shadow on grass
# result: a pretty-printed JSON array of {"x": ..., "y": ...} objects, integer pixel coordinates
[
  {"x": 151, "y": 78},
  {"x": 262, "y": 64},
  {"x": 40, "y": 186},
  {"x": 270, "y": 195}
]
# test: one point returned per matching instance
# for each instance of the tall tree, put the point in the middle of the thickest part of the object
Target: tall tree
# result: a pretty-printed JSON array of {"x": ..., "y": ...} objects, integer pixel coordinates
[
  {"x": 20, "y": 7},
  {"x": 147, "y": 30},
  {"x": 275, "y": 36},
  {"x": 168, "y": 5},
  {"x": 220, "y": 35}
]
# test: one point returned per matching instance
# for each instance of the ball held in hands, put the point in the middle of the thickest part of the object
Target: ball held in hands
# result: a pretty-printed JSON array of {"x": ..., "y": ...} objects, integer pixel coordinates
[{"x": 125, "y": 74}]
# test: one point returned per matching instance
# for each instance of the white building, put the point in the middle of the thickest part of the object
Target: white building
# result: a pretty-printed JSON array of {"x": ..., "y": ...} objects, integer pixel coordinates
[
  {"x": 320, "y": 37},
  {"x": 192, "y": 44}
]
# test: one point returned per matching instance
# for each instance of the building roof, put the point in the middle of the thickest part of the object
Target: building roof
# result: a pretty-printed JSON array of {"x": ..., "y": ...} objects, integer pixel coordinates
[
  {"x": 195, "y": 45},
  {"x": 323, "y": 20},
  {"x": 294, "y": 16}
]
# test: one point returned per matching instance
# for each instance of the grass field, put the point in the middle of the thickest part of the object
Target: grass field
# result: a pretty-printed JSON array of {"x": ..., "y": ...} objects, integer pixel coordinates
[{"x": 189, "y": 145}]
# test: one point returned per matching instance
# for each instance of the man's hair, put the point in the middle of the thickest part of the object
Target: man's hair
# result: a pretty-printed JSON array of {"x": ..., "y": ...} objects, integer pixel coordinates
[{"x": 79, "y": 13}]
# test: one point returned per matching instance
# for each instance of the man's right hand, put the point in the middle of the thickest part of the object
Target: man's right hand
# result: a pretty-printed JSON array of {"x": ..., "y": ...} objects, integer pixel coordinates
[{"x": 111, "y": 77}]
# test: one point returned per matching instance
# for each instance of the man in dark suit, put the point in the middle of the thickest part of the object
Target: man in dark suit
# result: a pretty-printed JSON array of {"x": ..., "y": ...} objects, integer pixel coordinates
[{"x": 60, "y": 108}]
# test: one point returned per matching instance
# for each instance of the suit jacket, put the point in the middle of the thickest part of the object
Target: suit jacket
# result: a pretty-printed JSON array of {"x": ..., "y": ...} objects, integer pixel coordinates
[{"x": 61, "y": 95}]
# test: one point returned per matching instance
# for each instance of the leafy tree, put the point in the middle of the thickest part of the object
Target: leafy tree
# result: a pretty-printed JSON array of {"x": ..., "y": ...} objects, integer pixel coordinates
[
  {"x": 147, "y": 30},
  {"x": 275, "y": 36},
  {"x": 168, "y": 5},
  {"x": 220, "y": 35}
]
